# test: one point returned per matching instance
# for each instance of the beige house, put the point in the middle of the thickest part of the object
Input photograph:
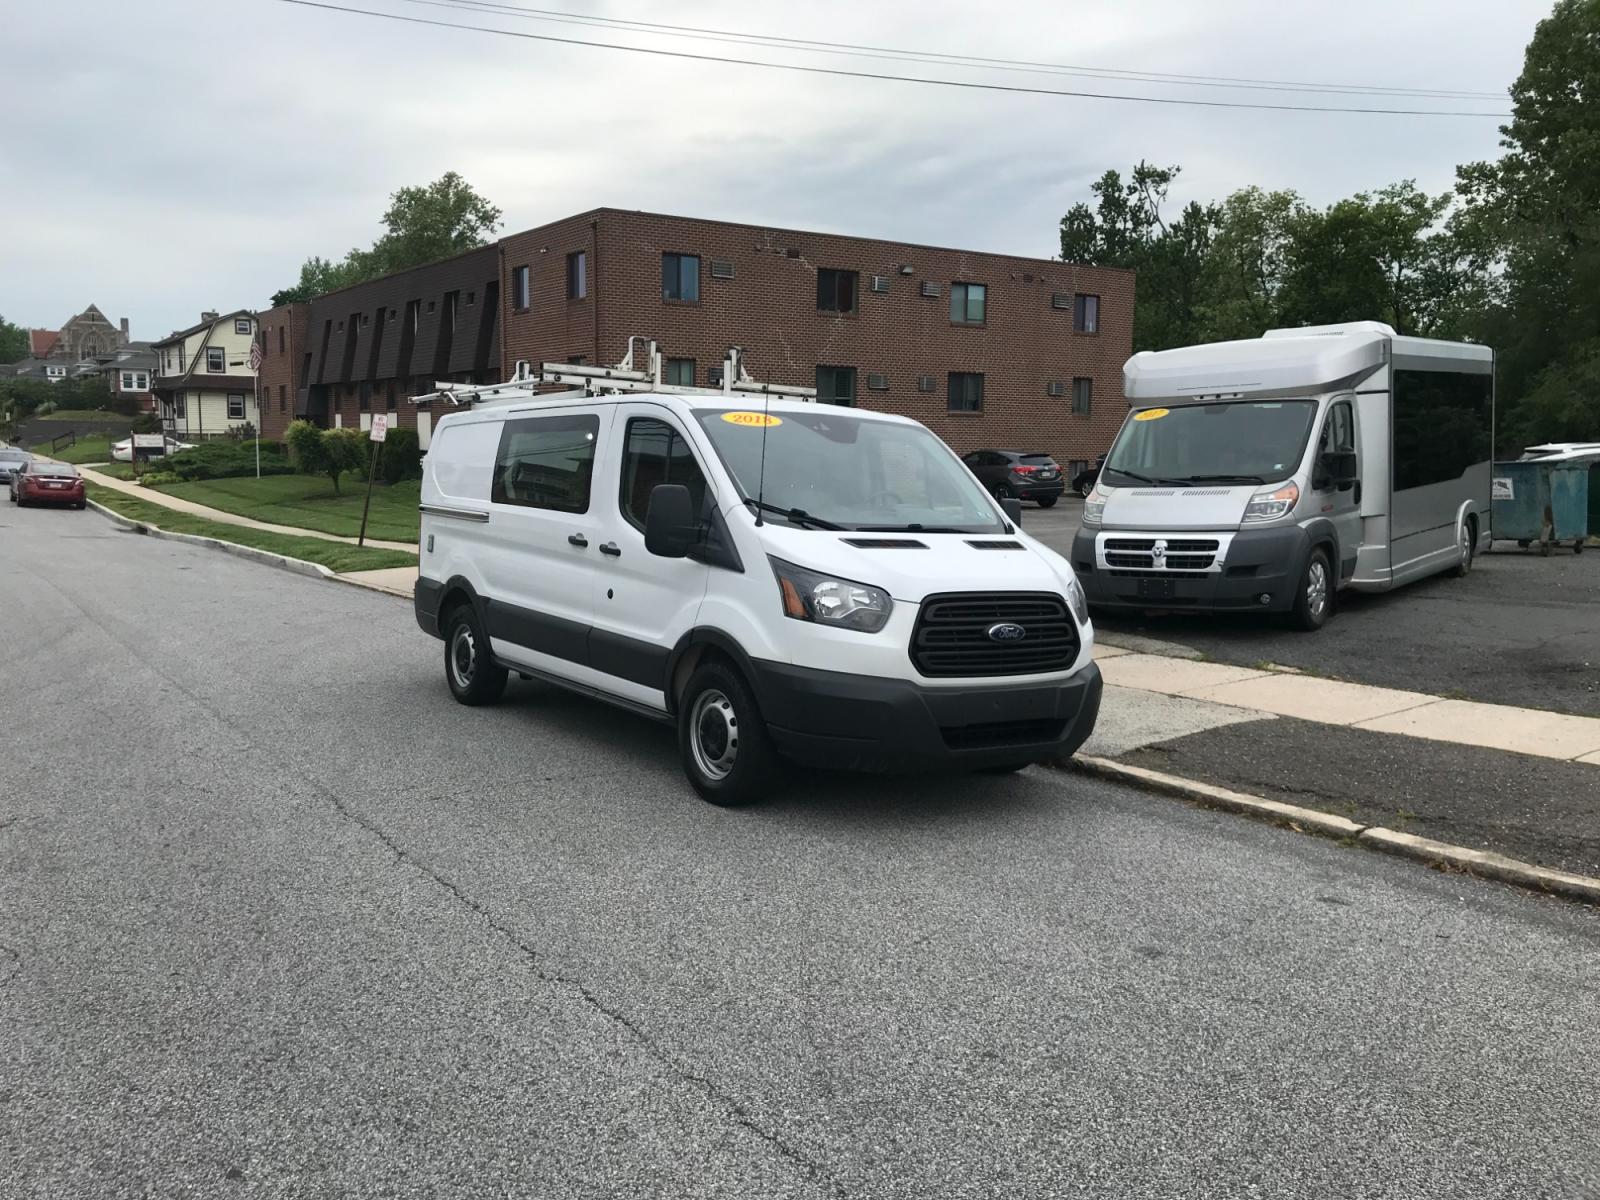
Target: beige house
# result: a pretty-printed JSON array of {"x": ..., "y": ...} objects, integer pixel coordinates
[{"x": 204, "y": 385}]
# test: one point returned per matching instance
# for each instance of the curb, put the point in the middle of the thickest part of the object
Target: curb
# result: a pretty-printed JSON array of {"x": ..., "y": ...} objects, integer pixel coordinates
[
  {"x": 1483, "y": 863},
  {"x": 282, "y": 561},
  {"x": 371, "y": 587}
]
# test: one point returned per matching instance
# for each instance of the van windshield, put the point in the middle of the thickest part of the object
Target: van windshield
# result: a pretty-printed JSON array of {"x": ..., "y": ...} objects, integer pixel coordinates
[
  {"x": 828, "y": 468},
  {"x": 1257, "y": 441}
]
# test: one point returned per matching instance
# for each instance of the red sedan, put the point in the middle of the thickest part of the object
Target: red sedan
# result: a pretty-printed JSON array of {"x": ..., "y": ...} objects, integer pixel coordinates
[{"x": 48, "y": 483}]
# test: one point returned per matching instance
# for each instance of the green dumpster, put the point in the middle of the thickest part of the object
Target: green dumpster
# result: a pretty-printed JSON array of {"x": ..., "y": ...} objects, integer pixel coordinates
[{"x": 1543, "y": 503}]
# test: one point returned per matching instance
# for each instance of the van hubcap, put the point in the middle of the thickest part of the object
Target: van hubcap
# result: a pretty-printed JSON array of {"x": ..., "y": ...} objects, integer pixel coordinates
[
  {"x": 1317, "y": 588},
  {"x": 463, "y": 656},
  {"x": 714, "y": 734},
  {"x": 1466, "y": 547}
]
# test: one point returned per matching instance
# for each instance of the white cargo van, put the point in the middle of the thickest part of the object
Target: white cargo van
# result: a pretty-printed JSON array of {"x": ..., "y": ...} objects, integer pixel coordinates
[
  {"x": 781, "y": 579},
  {"x": 1268, "y": 474}
]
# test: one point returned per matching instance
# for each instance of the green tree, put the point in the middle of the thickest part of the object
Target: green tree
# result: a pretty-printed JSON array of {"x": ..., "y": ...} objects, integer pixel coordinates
[
  {"x": 1538, "y": 206},
  {"x": 422, "y": 225},
  {"x": 1247, "y": 262},
  {"x": 1369, "y": 257},
  {"x": 13, "y": 342}
]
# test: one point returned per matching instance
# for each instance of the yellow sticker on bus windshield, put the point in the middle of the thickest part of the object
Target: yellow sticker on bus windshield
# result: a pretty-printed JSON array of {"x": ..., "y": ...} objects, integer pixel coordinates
[
  {"x": 752, "y": 419},
  {"x": 1151, "y": 414}
]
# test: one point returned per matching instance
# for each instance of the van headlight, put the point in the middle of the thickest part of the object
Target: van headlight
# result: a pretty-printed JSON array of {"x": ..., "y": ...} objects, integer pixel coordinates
[
  {"x": 1094, "y": 506},
  {"x": 1268, "y": 506},
  {"x": 842, "y": 603},
  {"x": 1077, "y": 600}
]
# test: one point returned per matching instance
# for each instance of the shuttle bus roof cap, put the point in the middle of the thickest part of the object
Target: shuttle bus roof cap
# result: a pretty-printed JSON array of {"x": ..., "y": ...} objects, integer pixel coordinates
[{"x": 1281, "y": 362}]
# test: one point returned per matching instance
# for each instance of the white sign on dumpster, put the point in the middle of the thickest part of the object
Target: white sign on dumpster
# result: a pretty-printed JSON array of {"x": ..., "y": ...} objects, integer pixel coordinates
[
  {"x": 149, "y": 441},
  {"x": 380, "y": 426},
  {"x": 1502, "y": 489}
]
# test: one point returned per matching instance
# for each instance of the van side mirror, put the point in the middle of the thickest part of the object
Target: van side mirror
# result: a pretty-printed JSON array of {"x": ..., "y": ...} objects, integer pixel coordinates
[
  {"x": 1340, "y": 468},
  {"x": 1012, "y": 507},
  {"x": 669, "y": 525}
]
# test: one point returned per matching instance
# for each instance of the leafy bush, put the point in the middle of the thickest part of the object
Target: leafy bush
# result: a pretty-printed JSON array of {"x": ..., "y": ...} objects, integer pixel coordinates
[
  {"x": 161, "y": 478},
  {"x": 225, "y": 460},
  {"x": 45, "y": 409},
  {"x": 401, "y": 457},
  {"x": 147, "y": 422},
  {"x": 329, "y": 452}
]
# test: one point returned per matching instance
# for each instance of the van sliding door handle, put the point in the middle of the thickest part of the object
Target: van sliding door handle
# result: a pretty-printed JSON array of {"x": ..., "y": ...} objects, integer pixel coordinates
[
  {"x": 612, "y": 549},
  {"x": 577, "y": 539}
]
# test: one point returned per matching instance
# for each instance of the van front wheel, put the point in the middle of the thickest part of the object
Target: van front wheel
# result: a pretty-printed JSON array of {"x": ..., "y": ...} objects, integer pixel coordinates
[
  {"x": 1313, "y": 604},
  {"x": 723, "y": 741},
  {"x": 474, "y": 677}
]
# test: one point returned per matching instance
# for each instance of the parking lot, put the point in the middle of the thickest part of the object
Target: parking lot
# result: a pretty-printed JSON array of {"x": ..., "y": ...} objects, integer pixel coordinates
[{"x": 1521, "y": 629}]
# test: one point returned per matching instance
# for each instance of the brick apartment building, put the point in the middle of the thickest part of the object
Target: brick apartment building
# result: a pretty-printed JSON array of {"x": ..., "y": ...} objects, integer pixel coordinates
[
  {"x": 988, "y": 350},
  {"x": 367, "y": 348}
]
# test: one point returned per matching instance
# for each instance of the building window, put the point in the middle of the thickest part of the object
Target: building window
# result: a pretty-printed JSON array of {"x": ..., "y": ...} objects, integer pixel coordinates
[
  {"x": 519, "y": 288},
  {"x": 680, "y": 277},
  {"x": 836, "y": 385},
  {"x": 135, "y": 381},
  {"x": 180, "y": 406},
  {"x": 1082, "y": 395},
  {"x": 364, "y": 392},
  {"x": 283, "y": 397},
  {"x": 280, "y": 339},
  {"x": 926, "y": 383},
  {"x": 680, "y": 371},
  {"x": 1061, "y": 300},
  {"x": 721, "y": 268},
  {"x": 546, "y": 462},
  {"x": 241, "y": 325},
  {"x": 966, "y": 391},
  {"x": 472, "y": 298},
  {"x": 877, "y": 383},
  {"x": 450, "y": 301},
  {"x": 836, "y": 290},
  {"x": 577, "y": 275},
  {"x": 432, "y": 304},
  {"x": 216, "y": 359},
  {"x": 967, "y": 303},
  {"x": 235, "y": 406},
  {"x": 656, "y": 453},
  {"x": 1085, "y": 313}
]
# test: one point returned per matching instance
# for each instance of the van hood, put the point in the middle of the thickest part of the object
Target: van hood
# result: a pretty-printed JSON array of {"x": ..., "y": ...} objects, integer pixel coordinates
[
  {"x": 1199, "y": 507},
  {"x": 913, "y": 566}
]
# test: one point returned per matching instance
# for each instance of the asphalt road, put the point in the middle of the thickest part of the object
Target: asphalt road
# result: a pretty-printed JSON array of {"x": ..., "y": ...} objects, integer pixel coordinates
[
  {"x": 279, "y": 919},
  {"x": 1520, "y": 629}
]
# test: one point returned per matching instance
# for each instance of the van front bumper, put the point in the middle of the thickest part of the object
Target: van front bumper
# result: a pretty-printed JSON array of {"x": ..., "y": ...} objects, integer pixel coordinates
[
  {"x": 862, "y": 723},
  {"x": 1260, "y": 562}
]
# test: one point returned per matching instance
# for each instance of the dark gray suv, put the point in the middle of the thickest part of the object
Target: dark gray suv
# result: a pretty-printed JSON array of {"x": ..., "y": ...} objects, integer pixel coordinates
[{"x": 1026, "y": 475}]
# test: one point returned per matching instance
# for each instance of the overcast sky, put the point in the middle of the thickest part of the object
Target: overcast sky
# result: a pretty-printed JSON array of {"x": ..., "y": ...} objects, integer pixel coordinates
[{"x": 161, "y": 157}]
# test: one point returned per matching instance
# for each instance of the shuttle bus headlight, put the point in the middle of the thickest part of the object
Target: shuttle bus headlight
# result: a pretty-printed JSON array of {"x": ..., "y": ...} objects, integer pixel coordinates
[{"x": 1269, "y": 506}]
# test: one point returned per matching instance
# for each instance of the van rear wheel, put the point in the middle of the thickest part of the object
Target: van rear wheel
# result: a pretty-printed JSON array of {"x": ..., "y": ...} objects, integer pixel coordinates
[
  {"x": 722, "y": 738},
  {"x": 474, "y": 677},
  {"x": 1313, "y": 603}
]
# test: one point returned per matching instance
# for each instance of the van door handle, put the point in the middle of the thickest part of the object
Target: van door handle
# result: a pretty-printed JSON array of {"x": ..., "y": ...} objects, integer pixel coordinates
[
  {"x": 611, "y": 548},
  {"x": 577, "y": 539}
]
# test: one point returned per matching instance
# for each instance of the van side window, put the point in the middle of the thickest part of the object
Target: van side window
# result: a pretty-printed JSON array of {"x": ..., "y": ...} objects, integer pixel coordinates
[
  {"x": 653, "y": 453},
  {"x": 546, "y": 462},
  {"x": 1339, "y": 430}
]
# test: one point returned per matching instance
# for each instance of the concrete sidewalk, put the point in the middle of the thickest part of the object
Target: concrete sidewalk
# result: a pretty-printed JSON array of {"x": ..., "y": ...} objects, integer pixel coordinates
[
  {"x": 227, "y": 518},
  {"x": 1263, "y": 693}
]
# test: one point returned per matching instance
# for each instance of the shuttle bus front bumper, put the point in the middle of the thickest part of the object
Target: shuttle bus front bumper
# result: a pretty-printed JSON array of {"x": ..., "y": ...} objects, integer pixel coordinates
[{"x": 1191, "y": 570}]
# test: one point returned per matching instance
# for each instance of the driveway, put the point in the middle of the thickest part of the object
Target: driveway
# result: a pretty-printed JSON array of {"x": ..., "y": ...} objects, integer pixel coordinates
[{"x": 1520, "y": 630}]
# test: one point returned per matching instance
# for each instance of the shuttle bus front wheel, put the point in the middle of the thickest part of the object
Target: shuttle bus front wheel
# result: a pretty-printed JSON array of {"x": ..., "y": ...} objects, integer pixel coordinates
[{"x": 1313, "y": 603}]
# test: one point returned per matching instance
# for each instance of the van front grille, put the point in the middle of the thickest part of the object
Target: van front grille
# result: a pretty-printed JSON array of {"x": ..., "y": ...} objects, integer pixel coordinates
[
  {"x": 952, "y": 636},
  {"x": 1176, "y": 554}
]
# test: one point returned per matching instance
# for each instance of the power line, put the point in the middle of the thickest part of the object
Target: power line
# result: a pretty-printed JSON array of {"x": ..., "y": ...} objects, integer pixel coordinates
[
  {"x": 933, "y": 82},
  {"x": 902, "y": 54}
]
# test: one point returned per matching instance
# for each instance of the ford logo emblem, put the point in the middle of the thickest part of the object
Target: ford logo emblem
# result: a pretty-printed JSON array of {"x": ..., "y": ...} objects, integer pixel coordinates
[{"x": 1007, "y": 632}]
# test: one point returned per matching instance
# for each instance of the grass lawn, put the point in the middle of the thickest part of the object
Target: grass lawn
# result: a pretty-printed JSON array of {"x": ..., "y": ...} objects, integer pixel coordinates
[
  {"x": 336, "y": 556},
  {"x": 93, "y": 448},
  {"x": 308, "y": 501},
  {"x": 116, "y": 470}
]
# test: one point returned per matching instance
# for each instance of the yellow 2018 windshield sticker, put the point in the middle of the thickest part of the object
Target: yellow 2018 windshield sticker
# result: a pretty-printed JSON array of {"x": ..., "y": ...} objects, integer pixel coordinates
[
  {"x": 753, "y": 419},
  {"x": 1151, "y": 414}
]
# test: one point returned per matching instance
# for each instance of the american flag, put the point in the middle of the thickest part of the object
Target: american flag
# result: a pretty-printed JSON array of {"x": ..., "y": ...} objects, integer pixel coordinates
[{"x": 255, "y": 356}]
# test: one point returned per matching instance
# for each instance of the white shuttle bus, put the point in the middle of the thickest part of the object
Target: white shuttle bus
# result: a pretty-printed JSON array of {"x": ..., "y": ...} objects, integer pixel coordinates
[{"x": 1268, "y": 474}]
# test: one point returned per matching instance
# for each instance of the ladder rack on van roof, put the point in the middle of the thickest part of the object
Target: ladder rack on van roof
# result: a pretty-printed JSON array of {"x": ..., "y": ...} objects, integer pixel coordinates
[{"x": 586, "y": 380}]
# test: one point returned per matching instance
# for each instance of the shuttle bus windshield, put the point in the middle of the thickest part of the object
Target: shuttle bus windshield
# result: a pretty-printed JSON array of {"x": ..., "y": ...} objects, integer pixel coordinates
[{"x": 1256, "y": 441}]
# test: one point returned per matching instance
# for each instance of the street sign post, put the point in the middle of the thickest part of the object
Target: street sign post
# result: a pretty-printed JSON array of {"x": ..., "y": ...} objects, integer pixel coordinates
[{"x": 380, "y": 430}]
